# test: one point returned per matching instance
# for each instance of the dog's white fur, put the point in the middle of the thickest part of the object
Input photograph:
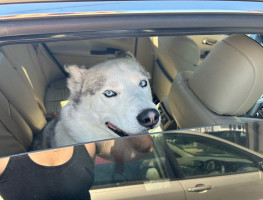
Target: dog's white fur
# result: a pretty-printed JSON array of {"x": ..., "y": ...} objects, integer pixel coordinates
[{"x": 83, "y": 118}]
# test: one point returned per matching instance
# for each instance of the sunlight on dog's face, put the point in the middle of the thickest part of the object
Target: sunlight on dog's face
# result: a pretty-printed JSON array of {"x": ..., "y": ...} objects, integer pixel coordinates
[{"x": 115, "y": 96}]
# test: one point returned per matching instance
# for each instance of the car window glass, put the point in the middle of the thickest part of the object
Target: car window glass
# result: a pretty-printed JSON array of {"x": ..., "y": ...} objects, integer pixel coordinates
[
  {"x": 201, "y": 156},
  {"x": 153, "y": 167},
  {"x": 238, "y": 137}
]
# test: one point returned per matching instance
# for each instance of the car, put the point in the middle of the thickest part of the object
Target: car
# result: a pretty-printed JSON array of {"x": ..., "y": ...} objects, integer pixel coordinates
[
  {"x": 184, "y": 165},
  {"x": 204, "y": 58},
  {"x": 37, "y": 43}
]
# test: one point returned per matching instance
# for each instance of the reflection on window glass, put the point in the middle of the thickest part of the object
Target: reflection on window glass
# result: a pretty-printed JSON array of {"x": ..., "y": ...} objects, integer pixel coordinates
[
  {"x": 116, "y": 173},
  {"x": 68, "y": 172},
  {"x": 238, "y": 137},
  {"x": 198, "y": 155},
  {"x": 150, "y": 168}
]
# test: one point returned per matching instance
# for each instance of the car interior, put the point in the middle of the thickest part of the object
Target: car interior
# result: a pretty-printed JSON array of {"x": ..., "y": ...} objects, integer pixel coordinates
[{"x": 194, "y": 80}]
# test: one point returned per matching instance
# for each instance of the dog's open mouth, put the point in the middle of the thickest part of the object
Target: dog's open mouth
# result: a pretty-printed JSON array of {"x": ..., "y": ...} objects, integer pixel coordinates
[{"x": 116, "y": 130}]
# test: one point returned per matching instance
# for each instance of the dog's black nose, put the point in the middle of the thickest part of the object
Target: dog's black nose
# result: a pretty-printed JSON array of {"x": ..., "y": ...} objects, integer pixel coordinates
[{"x": 148, "y": 118}]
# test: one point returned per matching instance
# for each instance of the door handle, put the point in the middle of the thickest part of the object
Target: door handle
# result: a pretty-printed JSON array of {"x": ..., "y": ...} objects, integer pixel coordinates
[
  {"x": 209, "y": 42},
  {"x": 108, "y": 51},
  {"x": 200, "y": 188}
]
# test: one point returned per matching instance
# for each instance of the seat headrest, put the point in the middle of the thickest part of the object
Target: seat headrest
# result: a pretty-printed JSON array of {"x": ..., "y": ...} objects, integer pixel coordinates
[{"x": 229, "y": 81}]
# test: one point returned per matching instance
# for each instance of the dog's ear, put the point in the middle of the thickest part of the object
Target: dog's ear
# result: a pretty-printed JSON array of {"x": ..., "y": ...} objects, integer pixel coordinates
[
  {"x": 123, "y": 54},
  {"x": 75, "y": 81},
  {"x": 73, "y": 70}
]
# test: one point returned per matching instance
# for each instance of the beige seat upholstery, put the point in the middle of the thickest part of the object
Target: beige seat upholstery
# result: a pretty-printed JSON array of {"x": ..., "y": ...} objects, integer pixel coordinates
[
  {"x": 25, "y": 73},
  {"x": 19, "y": 112},
  {"x": 15, "y": 134},
  {"x": 20, "y": 95},
  {"x": 173, "y": 55},
  {"x": 225, "y": 85},
  {"x": 37, "y": 70}
]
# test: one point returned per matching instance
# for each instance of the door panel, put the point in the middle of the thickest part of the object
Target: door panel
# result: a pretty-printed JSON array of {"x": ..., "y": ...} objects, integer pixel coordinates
[
  {"x": 89, "y": 52},
  {"x": 164, "y": 190},
  {"x": 147, "y": 178},
  {"x": 240, "y": 186}
]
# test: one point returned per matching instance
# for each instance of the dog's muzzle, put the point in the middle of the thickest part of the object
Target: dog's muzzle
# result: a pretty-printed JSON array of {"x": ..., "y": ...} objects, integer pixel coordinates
[{"x": 147, "y": 118}]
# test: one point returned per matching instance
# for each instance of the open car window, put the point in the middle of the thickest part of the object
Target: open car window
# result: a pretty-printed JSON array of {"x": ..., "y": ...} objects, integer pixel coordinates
[{"x": 51, "y": 89}]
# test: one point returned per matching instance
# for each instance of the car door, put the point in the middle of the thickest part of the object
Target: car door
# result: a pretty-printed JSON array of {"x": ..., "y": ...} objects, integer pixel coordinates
[
  {"x": 150, "y": 178},
  {"x": 213, "y": 169}
]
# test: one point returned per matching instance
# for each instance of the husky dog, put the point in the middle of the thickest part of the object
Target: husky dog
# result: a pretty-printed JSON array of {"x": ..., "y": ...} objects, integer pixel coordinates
[{"x": 112, "y": 99}]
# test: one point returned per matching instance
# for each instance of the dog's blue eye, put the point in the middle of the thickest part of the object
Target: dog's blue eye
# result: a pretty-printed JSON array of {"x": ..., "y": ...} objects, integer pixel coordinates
[
  {"x": 143, "y": 83},
  {"x": 110, "y": 93}
]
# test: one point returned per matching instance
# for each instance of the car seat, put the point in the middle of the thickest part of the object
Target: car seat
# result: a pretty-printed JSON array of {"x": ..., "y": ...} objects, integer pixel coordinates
[
  {"x": 223, "y": 88},
  {"x": 174, "y": 54}
]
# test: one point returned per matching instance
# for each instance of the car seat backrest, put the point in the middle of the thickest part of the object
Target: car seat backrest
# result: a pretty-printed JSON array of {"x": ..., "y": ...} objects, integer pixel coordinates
[
  {"x": 229, "y": 81},
  {"x": 26, "y": 70},
  {"x": 225, "y": 85},
  {"x": 173, "y": 54},
  {"x": 15, "y": 134},
  {"x": 178, "y": 53},
  {"x": 35, "y": 66},
  {"x": 20, "y": 95}
]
